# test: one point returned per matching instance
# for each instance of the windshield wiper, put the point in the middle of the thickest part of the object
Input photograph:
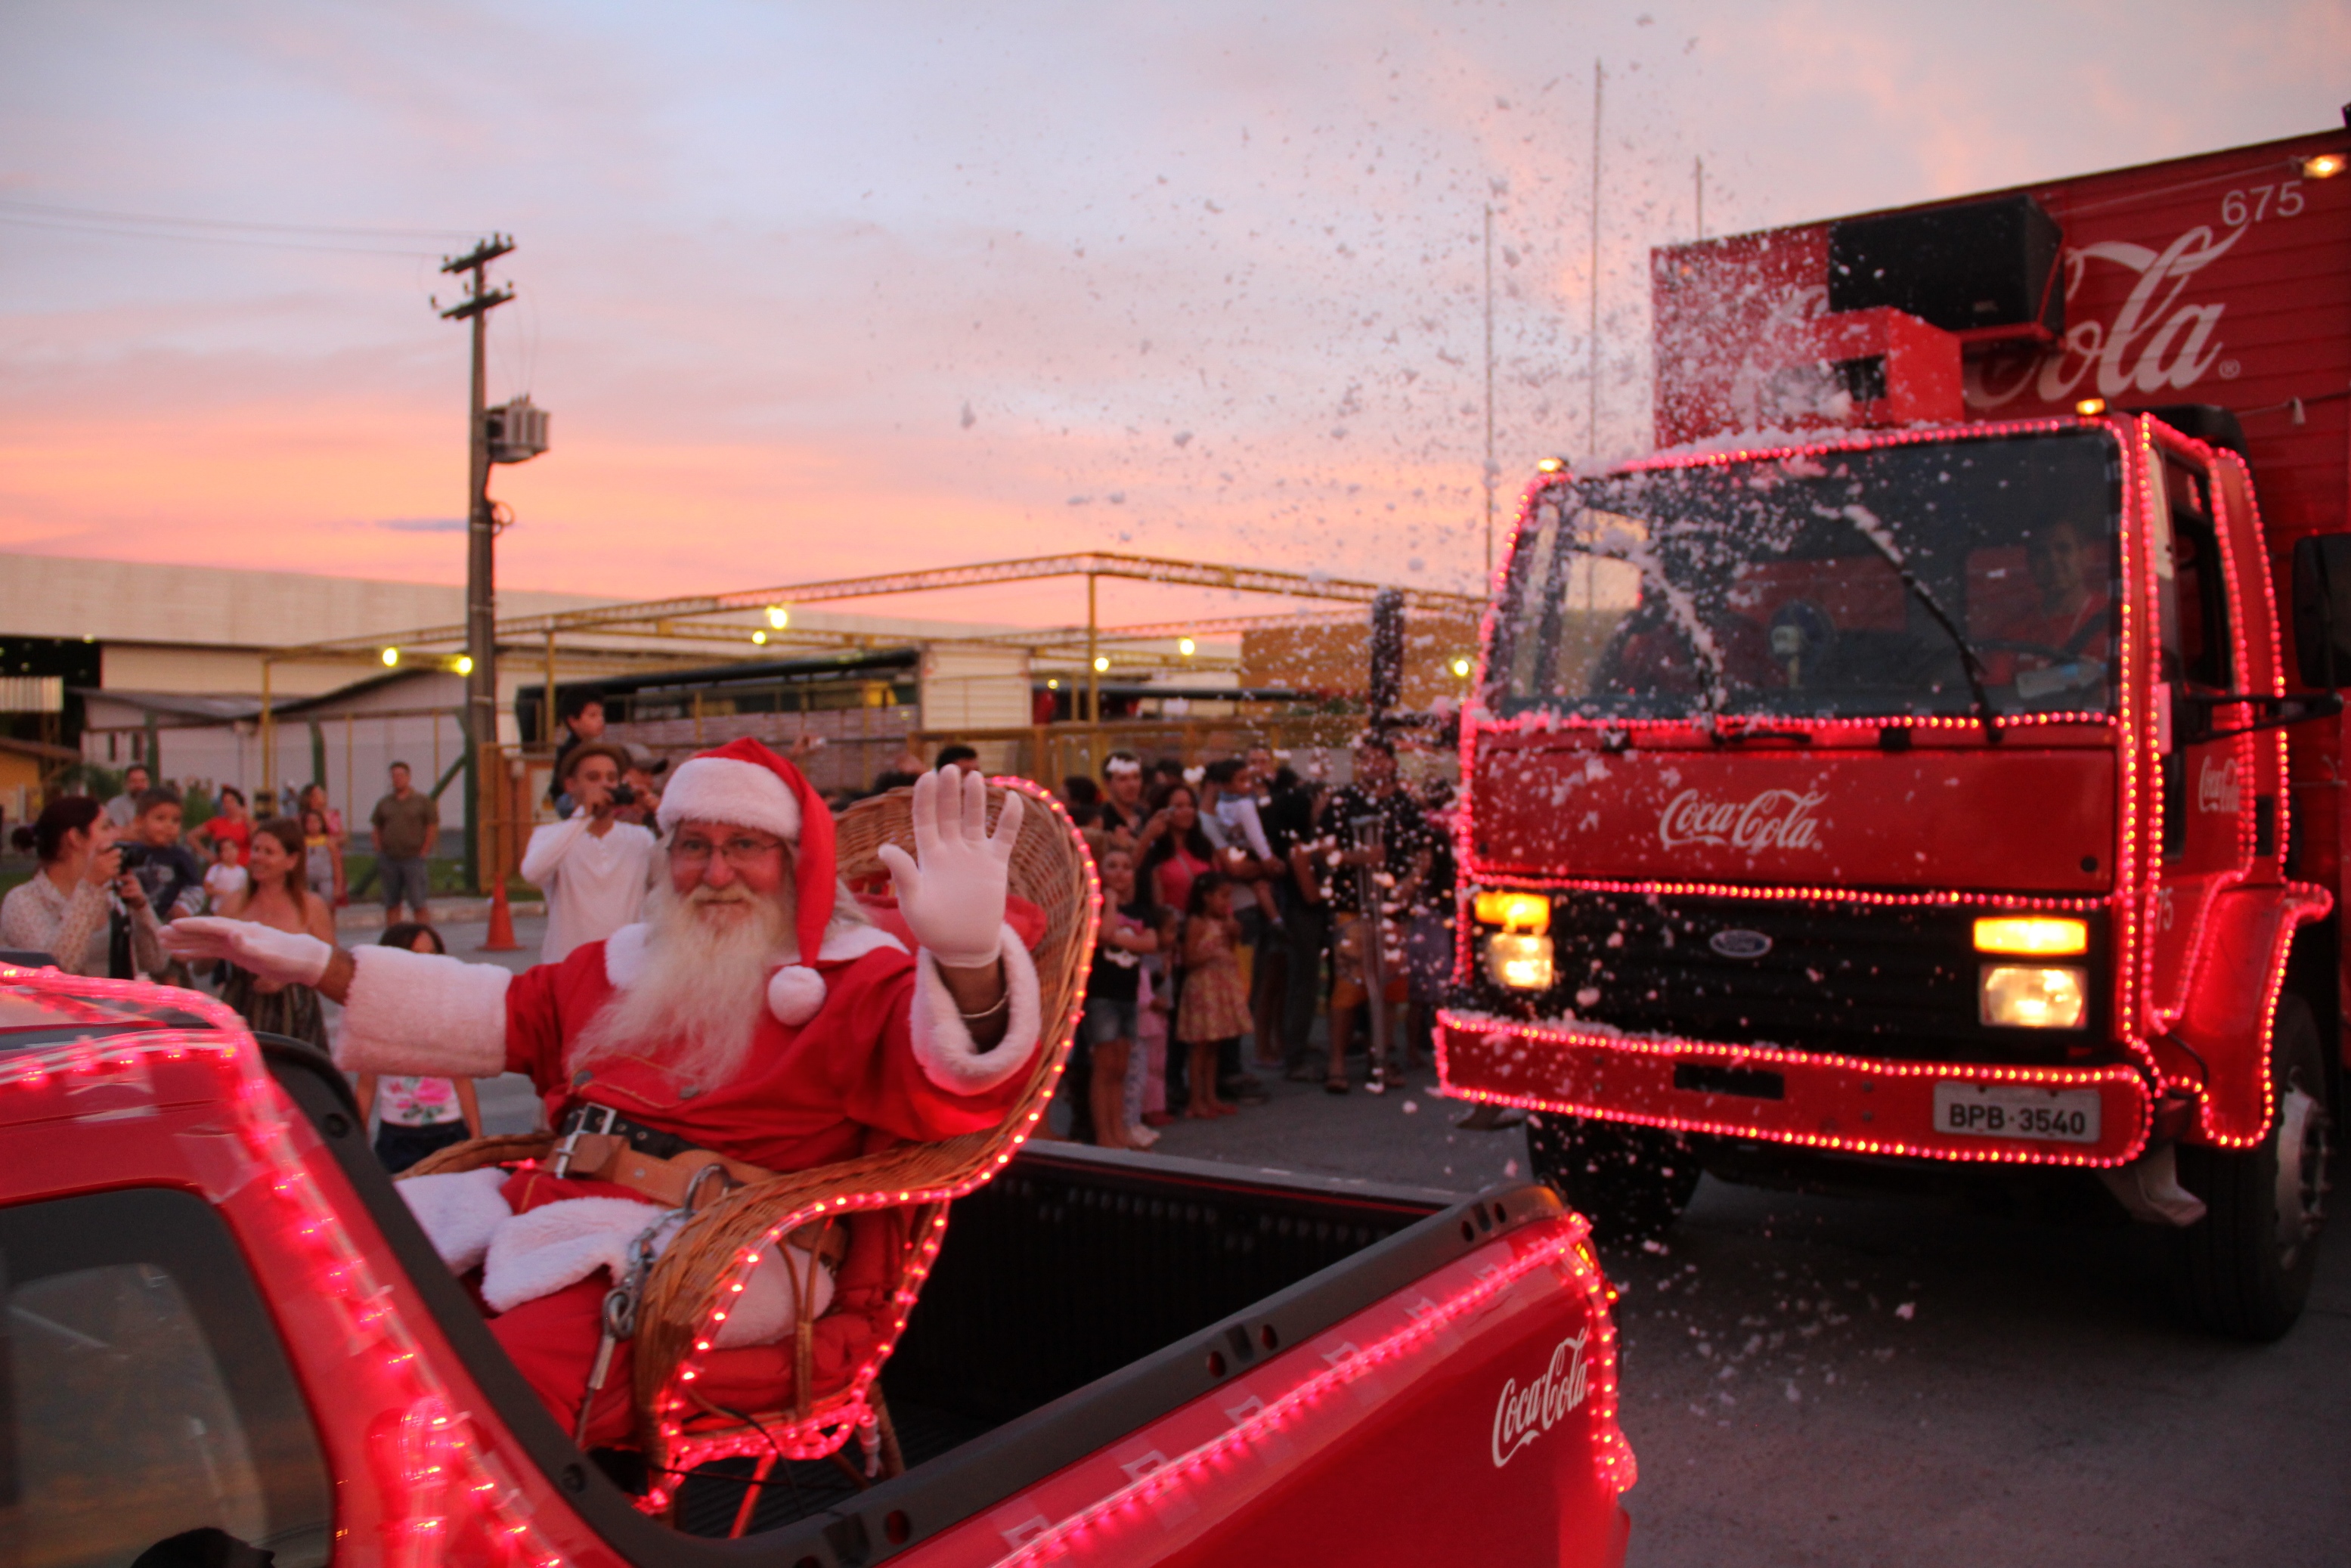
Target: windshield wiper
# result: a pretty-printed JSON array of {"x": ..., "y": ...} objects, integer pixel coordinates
[
  {"x": 1866, "y": 523},
  {"x": 1680, "y": 608}
]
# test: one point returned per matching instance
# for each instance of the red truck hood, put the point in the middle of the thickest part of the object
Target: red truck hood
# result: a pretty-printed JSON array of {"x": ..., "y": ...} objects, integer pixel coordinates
[{"x": 2031, "y": 815}]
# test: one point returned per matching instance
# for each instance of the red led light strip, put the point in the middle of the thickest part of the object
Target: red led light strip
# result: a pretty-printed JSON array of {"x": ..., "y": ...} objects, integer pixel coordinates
[
  {"x": 835, "y": 1419},
  {"x": 1612, "y": 1455},
  {"x": 1770, "y": 1056},
  {"x": 453, "y": 1502},
  {"x": 1547, "y": 720},
  {"x": 1505, "y": 879},
  {"x": 2308, "y": 902},
  {"x": 2162, "y": 437}
]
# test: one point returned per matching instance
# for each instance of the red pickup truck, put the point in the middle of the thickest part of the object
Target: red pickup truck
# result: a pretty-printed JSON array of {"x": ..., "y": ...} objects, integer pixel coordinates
[{"x": 225, "y": 1337}]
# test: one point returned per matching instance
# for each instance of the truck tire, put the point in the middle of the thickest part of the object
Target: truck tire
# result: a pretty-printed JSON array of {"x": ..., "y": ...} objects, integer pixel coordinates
[
  {"x": 1632, "y": 1182},
  {"x": 2246, "y": 1266}
]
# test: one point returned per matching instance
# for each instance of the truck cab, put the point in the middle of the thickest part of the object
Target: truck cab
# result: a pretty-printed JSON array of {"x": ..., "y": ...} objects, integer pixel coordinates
[{"x": 1938, "y": 784}]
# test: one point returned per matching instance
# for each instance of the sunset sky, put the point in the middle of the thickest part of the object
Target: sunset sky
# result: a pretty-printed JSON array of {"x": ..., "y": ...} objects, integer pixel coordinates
[{"x": 819, "y": 290}]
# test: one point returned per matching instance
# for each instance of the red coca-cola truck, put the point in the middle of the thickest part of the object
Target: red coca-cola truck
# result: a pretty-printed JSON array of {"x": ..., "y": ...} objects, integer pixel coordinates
[
  {"x": 225, "y": 1341},
  {"x": 1930, "y": 761}
]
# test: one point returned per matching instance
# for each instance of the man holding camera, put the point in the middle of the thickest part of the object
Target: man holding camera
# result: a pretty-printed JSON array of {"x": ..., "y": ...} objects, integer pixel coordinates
[{"x": 592, "y": 866}]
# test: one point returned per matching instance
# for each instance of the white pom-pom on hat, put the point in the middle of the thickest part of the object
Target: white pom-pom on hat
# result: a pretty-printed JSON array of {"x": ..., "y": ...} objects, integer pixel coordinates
[{"x": 795, "y": 993}]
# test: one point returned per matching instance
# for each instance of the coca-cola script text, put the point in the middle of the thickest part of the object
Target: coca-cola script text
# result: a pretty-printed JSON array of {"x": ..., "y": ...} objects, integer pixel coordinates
[
  {"x": 1523, "y": 1413},
  {"x": 1774, "y": 819}
]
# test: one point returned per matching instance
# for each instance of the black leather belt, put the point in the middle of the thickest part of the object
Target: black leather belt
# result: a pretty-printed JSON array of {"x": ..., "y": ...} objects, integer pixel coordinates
[{"x": 603, "y": 1120}]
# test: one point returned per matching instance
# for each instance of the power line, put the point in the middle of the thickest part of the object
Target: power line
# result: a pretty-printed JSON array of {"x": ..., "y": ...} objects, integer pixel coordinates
[
  {"x": 41, "y": 226},
  {"x": 52, "y": 210}
]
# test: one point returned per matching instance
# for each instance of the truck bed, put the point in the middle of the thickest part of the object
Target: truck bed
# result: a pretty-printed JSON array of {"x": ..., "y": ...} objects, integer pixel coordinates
[
  {"x": 1062, "y": 1286},
  {"x": 1087, "y": 1309}
]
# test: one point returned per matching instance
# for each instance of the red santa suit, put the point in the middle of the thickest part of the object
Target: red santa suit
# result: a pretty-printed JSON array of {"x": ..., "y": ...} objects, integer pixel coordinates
[{"x": 861, "y": 1049}]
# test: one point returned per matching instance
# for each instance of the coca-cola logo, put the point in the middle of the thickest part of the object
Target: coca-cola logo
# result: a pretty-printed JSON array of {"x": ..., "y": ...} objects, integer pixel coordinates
[
  {"x": 2153, "y": 342},
  {"x": 1523, "y": 1413},
  {"x": 1774, "y": 819},
  {"x": 2216, "y": 786}
]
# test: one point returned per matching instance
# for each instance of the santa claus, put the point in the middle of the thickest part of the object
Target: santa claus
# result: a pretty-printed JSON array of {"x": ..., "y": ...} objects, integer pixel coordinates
[{"x": 758, "y": 1021}]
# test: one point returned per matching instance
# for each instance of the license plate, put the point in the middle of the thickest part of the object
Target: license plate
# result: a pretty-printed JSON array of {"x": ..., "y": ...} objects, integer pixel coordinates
[{"x": 2016, "y": 1111}]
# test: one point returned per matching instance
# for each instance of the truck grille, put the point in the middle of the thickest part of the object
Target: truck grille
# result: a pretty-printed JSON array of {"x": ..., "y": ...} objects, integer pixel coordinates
[{"x": 1845, "y": 979}]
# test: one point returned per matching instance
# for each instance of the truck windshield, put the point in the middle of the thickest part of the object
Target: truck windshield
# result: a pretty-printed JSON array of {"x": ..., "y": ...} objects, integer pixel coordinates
[{"x": 1809, "y": 586}]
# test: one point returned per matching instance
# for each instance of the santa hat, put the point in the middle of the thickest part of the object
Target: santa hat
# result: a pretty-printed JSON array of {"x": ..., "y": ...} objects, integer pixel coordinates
[{"x": 744, "y": 785}]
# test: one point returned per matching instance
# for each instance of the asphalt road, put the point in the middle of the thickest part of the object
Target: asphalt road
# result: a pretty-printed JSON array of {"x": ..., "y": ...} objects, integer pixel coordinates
[
  {"x": 1855, "y": 1381},
  {"x": 1859, "y": 1380}
]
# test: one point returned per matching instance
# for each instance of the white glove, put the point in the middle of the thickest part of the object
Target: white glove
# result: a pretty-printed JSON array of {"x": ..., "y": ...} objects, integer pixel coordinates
[
  {"x": 954, "y": 898},
  {"x": 267, "y": 952}
]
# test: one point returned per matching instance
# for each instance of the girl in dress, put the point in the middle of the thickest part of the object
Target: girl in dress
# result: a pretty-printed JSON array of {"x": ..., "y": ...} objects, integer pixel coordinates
[
  {"x": 318, "y": 856},
  {"x": 276, "y": 897},
  {"x": 421, "y": 1115},
  {"x": 1214, "y": 1008}
]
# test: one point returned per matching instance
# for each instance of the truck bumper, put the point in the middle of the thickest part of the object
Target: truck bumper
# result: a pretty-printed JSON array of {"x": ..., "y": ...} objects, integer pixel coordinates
[{"x": 1856, "y": 1104}]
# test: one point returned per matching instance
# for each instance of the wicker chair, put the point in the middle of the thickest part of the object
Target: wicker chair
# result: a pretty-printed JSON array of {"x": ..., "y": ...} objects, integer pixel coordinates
[{"x": 677, "y": 1430}]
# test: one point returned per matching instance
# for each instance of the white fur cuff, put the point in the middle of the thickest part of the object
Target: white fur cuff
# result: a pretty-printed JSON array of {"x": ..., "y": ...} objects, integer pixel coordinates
[
  {"x": 729, "y": 790},
  {"x": 943, "y": 1044},
  {"x": 459, "y": 1211},
  {"x": 541, "y": 1253},
  {"x": 423, "y": 1013}
]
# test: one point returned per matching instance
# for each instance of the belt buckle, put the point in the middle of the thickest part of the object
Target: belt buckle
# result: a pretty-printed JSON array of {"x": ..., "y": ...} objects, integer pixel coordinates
[{"x": 585, "y": 1114}]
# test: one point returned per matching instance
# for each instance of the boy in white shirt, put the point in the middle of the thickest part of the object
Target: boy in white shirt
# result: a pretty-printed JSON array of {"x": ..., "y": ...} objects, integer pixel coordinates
[{"x": 593, "y": 867}]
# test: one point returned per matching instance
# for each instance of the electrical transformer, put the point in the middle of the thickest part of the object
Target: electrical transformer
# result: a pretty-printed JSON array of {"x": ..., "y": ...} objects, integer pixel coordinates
[{"x": 517, "y": 430}]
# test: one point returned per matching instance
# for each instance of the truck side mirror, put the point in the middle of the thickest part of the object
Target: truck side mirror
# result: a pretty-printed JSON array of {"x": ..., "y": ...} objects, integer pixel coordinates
[{"x": 2322, "y": 610}]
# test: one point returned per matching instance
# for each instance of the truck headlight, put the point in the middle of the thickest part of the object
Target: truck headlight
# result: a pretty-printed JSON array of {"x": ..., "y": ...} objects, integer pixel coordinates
[
  {"x": 2032, "y": 935},
  {"x": 1521, "y": 961},
  {"x": 2019, "y": 995}
]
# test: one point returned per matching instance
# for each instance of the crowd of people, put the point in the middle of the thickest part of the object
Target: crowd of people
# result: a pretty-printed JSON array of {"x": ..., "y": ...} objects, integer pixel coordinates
[
  {"x": 111, "y": 874},
  {"x": 1241, "y": 900}
]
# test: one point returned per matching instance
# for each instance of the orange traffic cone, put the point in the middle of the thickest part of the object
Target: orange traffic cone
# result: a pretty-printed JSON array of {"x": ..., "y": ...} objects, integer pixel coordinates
[{"x": 501, "y": 938}]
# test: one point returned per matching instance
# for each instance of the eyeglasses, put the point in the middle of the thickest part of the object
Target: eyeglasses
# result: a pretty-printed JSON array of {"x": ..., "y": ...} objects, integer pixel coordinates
[{"x": 739, "y": 850}]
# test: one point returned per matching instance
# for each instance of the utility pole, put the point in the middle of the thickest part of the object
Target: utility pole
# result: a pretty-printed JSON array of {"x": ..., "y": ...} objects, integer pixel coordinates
[
  {"x": 1592, "y": 418},
  {"x": 1700, "y": 171},
  {"x": 1489, "y": 392},
  {"x": 481, "y": 532}
]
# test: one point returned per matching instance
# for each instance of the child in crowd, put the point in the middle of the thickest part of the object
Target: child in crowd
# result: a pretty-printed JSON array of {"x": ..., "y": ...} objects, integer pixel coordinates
[
  {"x": 171, "y": 878},
  {"x": 1146, "y": 1067},
  {"x": 1112, "y": 992},
  {"x": 319, "y": 855},
  {"x": 1214, "y": 1011},
  {"x": 227, "y": 879},
  {"x": 421, "y": 1117}
]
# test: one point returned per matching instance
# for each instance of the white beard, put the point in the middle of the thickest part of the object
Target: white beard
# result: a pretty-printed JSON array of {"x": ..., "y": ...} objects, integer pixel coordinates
[{"x": 698, "y": 1000}]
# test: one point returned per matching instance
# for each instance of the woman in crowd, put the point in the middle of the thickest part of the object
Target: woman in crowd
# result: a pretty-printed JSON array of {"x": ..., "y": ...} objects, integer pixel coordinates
[
  {"x": 276, "y": 898},
  {"x": 1214, "y": 1011},
  {"x": 421, "y": 1117},
  {"x": 232, "y": 822},
  {"x": 1112, "y": 992},
  {"x": 80, "y": 907},
  {"x": 1176, "y": 848},
  {"x": 314, "y": 798}
]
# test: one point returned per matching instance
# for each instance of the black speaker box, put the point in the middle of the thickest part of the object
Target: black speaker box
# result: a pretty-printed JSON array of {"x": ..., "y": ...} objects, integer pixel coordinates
[{"x": 1981, "y": 265}]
